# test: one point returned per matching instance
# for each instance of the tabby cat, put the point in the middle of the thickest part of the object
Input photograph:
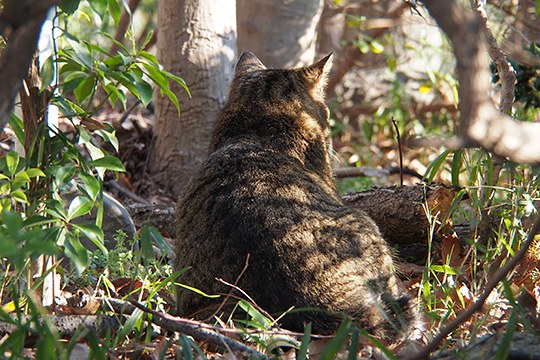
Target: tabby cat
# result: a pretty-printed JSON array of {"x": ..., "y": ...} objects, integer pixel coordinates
[{"x": 267, "y": 191}]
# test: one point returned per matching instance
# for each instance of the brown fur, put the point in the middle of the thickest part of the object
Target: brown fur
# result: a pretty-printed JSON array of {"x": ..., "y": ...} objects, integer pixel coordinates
[{"x": 267, "y": 191}]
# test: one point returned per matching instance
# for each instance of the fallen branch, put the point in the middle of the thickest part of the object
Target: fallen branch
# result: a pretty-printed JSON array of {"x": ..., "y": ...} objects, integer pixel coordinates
[
  {"x": 373, "y": 172},
  {"x": 198, "y": 331},
  {"x": 478, "y": 304}
]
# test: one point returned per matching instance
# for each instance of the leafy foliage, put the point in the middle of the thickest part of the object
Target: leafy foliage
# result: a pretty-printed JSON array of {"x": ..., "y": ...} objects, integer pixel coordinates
[{"x": 45, "y": 193}]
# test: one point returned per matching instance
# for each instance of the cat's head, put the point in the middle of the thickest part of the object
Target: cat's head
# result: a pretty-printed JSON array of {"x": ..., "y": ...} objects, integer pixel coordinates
[{"x": 277, "y": 107}]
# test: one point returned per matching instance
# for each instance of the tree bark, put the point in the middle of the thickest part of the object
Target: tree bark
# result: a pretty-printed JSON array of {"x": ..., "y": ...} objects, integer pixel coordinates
[
  {"x": 281, "y": 34},
  {"x": 480, "y": 120},
  {"x": 22, "y": 20},
  {"x": 197, "y": 40}
]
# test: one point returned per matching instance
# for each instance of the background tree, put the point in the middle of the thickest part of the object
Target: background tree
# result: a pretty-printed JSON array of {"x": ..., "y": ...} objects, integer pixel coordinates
[
  {"x": 197, "y": 40},
  {"x": 281, "y": 34}
]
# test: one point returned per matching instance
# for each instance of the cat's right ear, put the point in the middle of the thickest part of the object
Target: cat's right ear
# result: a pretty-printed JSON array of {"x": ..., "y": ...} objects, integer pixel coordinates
[{"x": 248, "y": 62}]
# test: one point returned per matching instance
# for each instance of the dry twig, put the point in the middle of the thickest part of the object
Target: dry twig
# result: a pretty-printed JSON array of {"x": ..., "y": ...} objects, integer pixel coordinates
[{"x": 198, "y": 330}]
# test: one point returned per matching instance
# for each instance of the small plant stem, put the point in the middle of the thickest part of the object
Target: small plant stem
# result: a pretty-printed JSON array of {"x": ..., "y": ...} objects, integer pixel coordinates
[
  {"x": 478, "y": 304},
  {"x": 400, "y": 149},
  {"x": 233, "y": 287}
]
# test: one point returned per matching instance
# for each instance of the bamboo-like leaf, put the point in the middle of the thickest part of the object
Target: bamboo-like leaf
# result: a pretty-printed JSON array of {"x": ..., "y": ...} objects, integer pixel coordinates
[{"x": 306, "y": 338}]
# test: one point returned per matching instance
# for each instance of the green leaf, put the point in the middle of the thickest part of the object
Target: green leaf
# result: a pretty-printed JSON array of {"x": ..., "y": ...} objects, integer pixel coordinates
[
  {"x": 187, "y": 353},
  {"x": 35, "y": 172},
  {"x": 112, "y": 63},
  {"x": 12, "y": 162},
  {"x": 38, "y": 220},
  {"x": 47, "y": 72},
  {"x": 144, "y": 90},
  {"x": 109, "y": 135},
  {"x": 338, "y": 341},
  {"x": 130, "y": 323},
  {"x": 56, "y": 209},
  {"x": 100, "y": 7},
  {"x": 117, "y": 43},
  {"x": 197, "y": 291},
  {"x": 114, "y": 10},
  {"x": 69, "y": 6},
  {"x": 79, "y": 54},
  {"x": 149, "y": 57},
  {"x": 433, "y": 168},
  {"x": 62, "y": 175},
  {"x": 107, "y": 162},
  {"x": 154, "y": 236},
  {"x": 505, "y": 344},
  {"x": 68, "y": 108},
  {"x": 154, "y": 72},
  {"x": 91, "y": 186},
  {"x": 79, "y": 206},
  {"x": 85, "y": 89},
  {"x": 259, "y": 319},
  {"x": 21, "y": 179},
  {"x": 353, "y": 348},
  {"x": 16, "y": 125},
  {"x": 178, "y": 80},
  {"x": 115, "y": 94},
  {"x": 76, "y": 252},
  {"x": 95, "y": 47},
  {"x": 306, "y": 338},
  {"x": 149, "y": 36},
  {"x": 446, "y": 269},
  {"x": 19, "y": 196},
  {"x": 172, "y": 97},
  {"x": 95, "y": 234},
  {"x": 73, "y": 80},
  {"x": 147, "y": 251}
]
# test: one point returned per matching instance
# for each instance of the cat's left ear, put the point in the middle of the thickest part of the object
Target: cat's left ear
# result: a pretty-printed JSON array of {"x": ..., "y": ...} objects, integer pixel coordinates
[
  {"x": 248, "y": 62},
  {"x": 317, "y": 73}
]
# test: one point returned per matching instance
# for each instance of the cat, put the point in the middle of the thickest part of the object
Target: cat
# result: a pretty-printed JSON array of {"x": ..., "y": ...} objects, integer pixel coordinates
[{"x": 267, "y": 192}]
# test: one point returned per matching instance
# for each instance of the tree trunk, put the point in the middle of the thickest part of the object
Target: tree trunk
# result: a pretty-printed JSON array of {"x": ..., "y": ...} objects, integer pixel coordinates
[
  {"x": 281, "y": 34},
  {"x": 197, "y": 40}
]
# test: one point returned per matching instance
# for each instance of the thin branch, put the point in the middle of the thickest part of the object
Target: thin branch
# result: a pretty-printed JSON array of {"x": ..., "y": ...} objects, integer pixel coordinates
[
  {"x": 501, "y": 274},
  {"x": 480, "y": 120},
  {"x": 452, "y": 143},
  {"x": 246, "y": 264},
  {"x": 249, "y": 299},
  {"x": 505, "y": 70},
  {"x": 123, "y": 307},
  {"x": 118, "y": 187},
  {"x": 198, "y": 331}
]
